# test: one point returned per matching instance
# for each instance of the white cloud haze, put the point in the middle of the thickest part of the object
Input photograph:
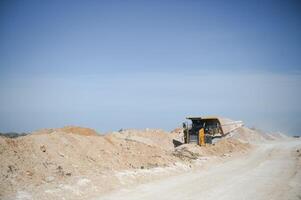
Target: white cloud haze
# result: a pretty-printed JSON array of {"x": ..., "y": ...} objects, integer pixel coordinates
[{"x": 138, "y": 100}]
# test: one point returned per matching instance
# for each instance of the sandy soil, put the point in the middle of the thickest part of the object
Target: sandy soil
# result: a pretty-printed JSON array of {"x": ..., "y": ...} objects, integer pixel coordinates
[
  {"x": 272, "y": 171},
  {"x": 78, "y": 163}
]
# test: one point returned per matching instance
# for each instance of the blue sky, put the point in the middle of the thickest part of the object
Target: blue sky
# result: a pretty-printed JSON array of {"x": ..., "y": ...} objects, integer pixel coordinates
[{"x": 136, "y": 64}]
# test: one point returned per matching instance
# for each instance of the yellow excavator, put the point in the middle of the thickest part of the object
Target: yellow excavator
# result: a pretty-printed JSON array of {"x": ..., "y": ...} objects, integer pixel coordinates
[{"x": 205, "y": 130}]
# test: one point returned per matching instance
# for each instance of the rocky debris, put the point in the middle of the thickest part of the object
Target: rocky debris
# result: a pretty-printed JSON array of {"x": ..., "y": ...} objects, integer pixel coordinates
[
  {"x": 49, "y": 179},
  {"x": 185, "y": 154},
  {"x": 43, "y": 148},
  {"x": 29, "y": 173}
]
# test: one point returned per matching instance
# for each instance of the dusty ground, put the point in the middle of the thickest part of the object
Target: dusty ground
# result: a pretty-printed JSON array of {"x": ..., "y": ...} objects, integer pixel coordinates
[
  {"x": 272, "y": 171},
  {"x": 77, "y": 163}
]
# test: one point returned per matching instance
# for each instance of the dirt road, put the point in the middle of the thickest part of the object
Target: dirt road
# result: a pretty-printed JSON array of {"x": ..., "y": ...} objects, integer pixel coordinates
[{"x": 272, "y": 171}]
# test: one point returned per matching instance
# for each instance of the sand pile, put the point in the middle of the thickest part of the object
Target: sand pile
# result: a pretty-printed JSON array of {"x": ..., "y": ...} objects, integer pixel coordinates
[
  {"x": 221, "y": 148},
  {"x": 151, "y": 137},
  {"x": 69, "y": 129},
  {"x": 56, "y": 160},
  {"x": 244, "y": 134},
  {"x": 254, "y": 136},
  {"x": 55, "y": 155}
]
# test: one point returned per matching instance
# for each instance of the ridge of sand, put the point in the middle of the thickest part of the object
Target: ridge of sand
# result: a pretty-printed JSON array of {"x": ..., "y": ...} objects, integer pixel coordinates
[
  {"x": 68, "y": 129},
  {"x": 83, "y": 163}
]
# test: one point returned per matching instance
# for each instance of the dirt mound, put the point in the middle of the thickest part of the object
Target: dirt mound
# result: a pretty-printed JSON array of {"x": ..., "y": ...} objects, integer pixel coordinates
[
  {"x": 68, "y": 129},
  {"x": 221, "y": 148},
  {"x": 52, "y": 156},
  {"x": 151, "y": 137},
  {"x": 78, "y": 130},
  {"x": 80, "y": 161},
  {"x": 245, "y": 134}
]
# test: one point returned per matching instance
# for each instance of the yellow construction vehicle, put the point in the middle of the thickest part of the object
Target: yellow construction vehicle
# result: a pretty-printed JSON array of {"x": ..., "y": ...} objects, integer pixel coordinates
[{"x": 203, "y": 130}]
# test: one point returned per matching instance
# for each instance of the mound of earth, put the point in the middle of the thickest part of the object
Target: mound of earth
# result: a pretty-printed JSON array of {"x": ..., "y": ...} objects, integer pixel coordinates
[
  {"x": 76, "y": 162},
  {"x": 221, "y": 148},
  {"x": 152, "y": 137},
  {"x": 69, "y": 129},
  {"x": 254, "y": 136}
]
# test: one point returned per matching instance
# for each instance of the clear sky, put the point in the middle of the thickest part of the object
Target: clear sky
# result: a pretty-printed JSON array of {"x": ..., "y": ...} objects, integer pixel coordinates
[{"x": 136, "y": 64}]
